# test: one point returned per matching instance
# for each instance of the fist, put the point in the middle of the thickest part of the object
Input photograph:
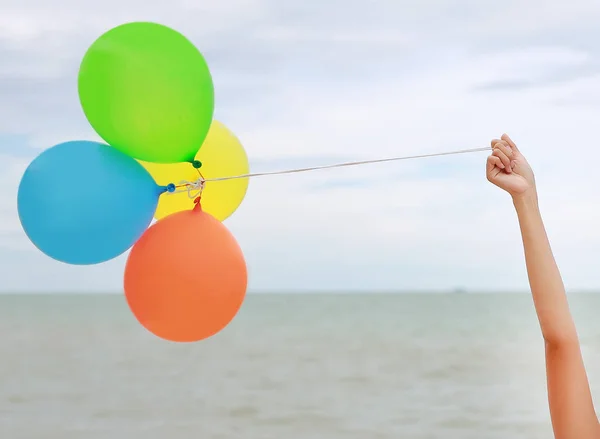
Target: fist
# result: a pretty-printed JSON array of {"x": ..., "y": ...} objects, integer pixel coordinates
[{"x": 508, "y": 169}]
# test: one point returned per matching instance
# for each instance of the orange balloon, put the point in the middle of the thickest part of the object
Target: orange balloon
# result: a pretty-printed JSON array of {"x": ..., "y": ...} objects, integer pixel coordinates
[{"x": 186, "y": 277}]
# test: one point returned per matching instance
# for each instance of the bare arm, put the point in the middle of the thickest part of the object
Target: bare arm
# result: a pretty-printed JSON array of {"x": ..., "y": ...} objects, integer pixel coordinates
[{"x": 571, "y": 406}]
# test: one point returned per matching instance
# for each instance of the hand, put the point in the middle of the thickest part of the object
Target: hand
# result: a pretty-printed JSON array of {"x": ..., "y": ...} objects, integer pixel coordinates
[{"x": 508, "y": 169}]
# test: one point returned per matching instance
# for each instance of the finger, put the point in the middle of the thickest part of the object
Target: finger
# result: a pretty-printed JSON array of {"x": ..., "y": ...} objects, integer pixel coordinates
[
  {"x": 506, "y": 149},
  {"x": 503, "y": 157},
  {"x": 494, "y": 162},
  {"x": 495, "y": 141},
  {"x": 508, "y": 140},
  {"x": 499, "y": 141},
  {"x": 494, "y": 167}
]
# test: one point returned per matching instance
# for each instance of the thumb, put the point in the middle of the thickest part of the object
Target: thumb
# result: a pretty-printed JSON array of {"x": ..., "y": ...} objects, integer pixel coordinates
[{"x": 510, "y": 142}]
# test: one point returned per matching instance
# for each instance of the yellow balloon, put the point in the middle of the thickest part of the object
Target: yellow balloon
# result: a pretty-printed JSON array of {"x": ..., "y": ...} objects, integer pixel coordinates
[{"x": 222, "y": 155}]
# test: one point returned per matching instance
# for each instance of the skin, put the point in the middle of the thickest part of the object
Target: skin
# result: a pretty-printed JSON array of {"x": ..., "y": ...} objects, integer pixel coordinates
[{"x": 569, "y": 397}]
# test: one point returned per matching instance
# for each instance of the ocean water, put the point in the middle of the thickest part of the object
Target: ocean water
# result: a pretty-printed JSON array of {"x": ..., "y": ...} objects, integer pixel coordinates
[{"x": 290, "y": 366}]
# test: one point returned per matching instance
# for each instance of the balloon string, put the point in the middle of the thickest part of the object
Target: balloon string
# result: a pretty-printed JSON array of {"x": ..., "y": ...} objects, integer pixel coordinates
[
  {"x": 193, "y": 188},
  {"x": 199, "y": 184}
]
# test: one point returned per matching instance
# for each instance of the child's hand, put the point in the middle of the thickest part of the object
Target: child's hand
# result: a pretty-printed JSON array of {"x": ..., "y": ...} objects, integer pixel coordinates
[{"x": 508, "y": 169}]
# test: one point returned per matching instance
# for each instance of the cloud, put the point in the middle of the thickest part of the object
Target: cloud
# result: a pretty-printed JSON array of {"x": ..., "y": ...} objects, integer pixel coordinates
[
  {"x": 305, "y": 86},
  {"x": 544, "y": 67}
]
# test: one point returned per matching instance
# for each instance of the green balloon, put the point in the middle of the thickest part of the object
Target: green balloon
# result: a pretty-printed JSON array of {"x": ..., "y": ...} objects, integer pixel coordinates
[{"x": 147, "y": 91}]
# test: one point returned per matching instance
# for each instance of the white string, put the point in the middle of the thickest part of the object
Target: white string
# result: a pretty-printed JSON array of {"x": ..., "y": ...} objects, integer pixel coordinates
[
  {"x": 199, "y": 184},
  {"x": 340, "y": 165}
]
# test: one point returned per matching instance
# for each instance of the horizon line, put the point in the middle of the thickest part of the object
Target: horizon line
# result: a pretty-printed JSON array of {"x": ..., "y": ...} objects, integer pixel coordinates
[{"x": 455, "y": 291}]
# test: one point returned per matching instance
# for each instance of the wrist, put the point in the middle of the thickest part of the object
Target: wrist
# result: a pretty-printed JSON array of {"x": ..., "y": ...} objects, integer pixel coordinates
[{"x": 526, "y": 201}]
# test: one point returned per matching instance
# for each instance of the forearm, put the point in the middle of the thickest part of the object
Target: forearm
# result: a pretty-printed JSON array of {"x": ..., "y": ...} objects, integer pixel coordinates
[
  {"x": 569, "y": 397},
  {"x": 544, "y": 277}
]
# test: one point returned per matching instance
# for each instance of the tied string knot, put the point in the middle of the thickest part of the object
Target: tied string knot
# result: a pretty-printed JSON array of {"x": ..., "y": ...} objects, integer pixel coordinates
[{"x": 193, "y": 188}]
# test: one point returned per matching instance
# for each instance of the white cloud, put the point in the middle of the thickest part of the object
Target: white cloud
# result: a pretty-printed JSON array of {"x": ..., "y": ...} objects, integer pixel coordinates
[{"x": 532, "y": 16}]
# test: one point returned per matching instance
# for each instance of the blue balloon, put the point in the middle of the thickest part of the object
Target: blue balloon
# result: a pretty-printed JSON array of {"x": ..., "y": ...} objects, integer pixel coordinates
[{"x": 85, "y": 202}]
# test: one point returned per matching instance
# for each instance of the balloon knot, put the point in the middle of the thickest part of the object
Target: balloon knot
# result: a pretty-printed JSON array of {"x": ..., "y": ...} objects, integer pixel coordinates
[
  {"x": 197, "y": 204},
  {"x": 197, "y": 164}
]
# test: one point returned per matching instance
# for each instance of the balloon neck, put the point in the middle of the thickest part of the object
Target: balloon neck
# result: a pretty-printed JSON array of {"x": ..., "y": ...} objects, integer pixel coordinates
[
  {"x": 164, "y": 189},
  {"x": 197, "y": 205},
  {"x": 197, "y": 164}
]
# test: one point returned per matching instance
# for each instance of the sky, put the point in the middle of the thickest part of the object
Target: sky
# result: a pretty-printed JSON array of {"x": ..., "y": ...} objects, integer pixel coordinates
[{"x": 307, "y": 83}]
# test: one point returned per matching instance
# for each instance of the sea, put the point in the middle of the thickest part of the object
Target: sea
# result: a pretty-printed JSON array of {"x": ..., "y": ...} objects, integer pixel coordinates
[{"x": 289, "y": 366}]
